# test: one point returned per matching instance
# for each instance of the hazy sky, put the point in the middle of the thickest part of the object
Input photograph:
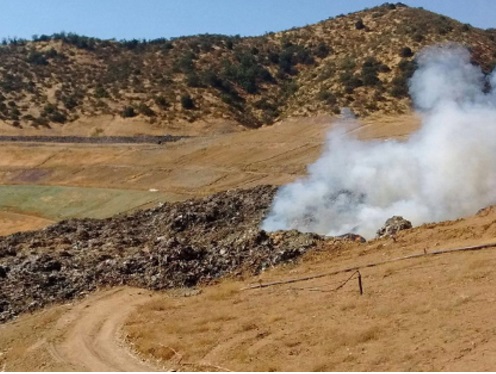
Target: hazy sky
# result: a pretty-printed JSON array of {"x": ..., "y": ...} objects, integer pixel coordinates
[{"x": 149, "y": 19}]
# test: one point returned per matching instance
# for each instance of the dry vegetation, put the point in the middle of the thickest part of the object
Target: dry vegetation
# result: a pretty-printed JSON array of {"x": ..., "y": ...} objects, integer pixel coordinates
[
  {"x": 432, "y": 313},
  {"x": 361, "y": 61}
]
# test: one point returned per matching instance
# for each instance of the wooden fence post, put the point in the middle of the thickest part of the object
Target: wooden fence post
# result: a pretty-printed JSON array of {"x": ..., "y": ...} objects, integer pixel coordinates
[{"x": 360, "y": 282}]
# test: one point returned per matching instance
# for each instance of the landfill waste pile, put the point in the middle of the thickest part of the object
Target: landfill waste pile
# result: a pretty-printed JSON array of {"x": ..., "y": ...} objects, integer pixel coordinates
[{"x": 179, "y": 244}]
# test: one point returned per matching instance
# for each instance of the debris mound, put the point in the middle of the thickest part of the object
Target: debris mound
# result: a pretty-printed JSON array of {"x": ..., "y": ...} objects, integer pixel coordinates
[
  {"x": 172, "y": 245},
  {"x": 351, "y": 237},
  {"x": 393, "y": 225}
]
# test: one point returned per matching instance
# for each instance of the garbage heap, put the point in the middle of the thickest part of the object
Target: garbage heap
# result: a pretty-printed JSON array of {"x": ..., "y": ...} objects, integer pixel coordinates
[{"x": 172, "y": 245}]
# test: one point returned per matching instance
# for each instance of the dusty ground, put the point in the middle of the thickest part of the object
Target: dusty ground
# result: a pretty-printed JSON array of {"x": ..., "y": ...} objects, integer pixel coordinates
[{"x": 12, "y": 222}]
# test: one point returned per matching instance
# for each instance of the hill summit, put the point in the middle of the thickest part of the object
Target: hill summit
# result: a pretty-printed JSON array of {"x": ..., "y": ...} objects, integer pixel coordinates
[{"x": 361, "y": 61}]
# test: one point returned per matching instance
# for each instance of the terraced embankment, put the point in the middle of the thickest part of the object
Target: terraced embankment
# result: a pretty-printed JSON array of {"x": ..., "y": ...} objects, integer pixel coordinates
[{"x": 65, "y": 180}]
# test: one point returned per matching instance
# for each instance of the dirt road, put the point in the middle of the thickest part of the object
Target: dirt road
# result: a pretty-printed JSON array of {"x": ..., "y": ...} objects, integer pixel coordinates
[
  {"x": 85, "y": 337},
  {"x": 91, "y": 341}
]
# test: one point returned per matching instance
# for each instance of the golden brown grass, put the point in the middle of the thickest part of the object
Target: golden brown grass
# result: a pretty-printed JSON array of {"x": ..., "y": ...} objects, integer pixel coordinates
[{"x": 431, "y": 313}]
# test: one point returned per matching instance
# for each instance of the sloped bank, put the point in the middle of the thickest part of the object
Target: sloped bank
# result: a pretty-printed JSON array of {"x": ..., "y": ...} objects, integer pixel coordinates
[{"x": 172, "y": 245}]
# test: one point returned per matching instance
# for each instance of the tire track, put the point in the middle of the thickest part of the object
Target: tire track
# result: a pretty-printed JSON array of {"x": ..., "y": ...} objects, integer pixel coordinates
[{"x": 90, "y": 333}]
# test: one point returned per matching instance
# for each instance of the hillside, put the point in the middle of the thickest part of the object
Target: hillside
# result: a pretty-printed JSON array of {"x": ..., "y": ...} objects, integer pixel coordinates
[
  {"x": 429, "y": 312},
  {"x": 123, "y": 252},
  {"x": 360, "y": 60}
]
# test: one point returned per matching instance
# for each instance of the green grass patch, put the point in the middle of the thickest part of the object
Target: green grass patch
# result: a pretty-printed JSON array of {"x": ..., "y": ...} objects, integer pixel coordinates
[{"x": 58, "y": 202}]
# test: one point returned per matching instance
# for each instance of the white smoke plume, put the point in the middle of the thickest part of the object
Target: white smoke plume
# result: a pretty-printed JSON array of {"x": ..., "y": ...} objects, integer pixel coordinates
[{"x": 445, "y": 170}]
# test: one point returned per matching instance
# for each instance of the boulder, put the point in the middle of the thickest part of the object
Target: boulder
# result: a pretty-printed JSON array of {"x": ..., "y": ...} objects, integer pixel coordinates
[{"x": 393, "y": 225}]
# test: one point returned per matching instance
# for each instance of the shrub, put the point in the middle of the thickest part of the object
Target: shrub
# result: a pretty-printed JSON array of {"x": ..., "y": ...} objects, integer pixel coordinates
[
  {"x": 185, "y": 63},
  {"x": 162, "y": 102},
  {"x": 146, "y": 110},
  {"x": 417, "y": 37},
  {"x": 101, "y": 92},
  {"x": 52, "y": 53},
  {"x": 359, "y": 25},
  {"x": 128, "y": 112},
  {"x": 399, "y": 87},
  {"x": 265, "y": 105},
  {"x": 209, "y": 78},
  {"x": 348, "y": 63},
  {"x": 28, "y": 117},
  {"x": 41, "y": 121},
  {"x": 289, "y": 87},
  {"x": 232, "y": 100},
  {"x": 443, "y": 26},
  {"x": 350, "y": 81},
  {"x": 70, "y": 102},
  {"x": 187, "y": 102},
  {"x": 407, "y": 67},
  {"x": 193, "y": 80},
  {"x": 246, "y": 73},
  {"x": 49, "y": 109},
  {"x": 327, "y": 97},
  {"x": 57, "y": 116},
  {"x": 12, "y": 82},
  {"x": 322, "y": 50},
  {"x": 273, "y": 57},
  {"x": 291, "y": 55},
  {"x": 37, "y": 58},
  {"x": 406, "y": 52}
]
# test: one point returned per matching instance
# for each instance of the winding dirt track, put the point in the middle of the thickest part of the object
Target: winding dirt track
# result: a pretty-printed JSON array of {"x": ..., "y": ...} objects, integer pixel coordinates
[{"x": 91, "y": 339}]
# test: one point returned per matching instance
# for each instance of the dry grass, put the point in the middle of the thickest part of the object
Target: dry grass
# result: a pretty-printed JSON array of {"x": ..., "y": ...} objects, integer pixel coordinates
[
  {"x": 430, "y": 313},
  {"x": 23, "y": 345}
]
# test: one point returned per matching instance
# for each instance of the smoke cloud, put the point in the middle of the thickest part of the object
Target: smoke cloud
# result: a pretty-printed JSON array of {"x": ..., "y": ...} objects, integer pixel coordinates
[{"x": 445, "y": 170}]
